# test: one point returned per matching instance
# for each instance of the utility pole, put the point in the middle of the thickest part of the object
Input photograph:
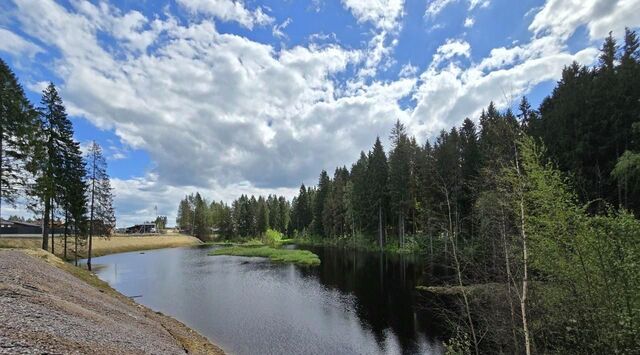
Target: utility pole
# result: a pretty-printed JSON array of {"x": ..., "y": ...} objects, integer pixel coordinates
[{"x": 155, "y": 208}]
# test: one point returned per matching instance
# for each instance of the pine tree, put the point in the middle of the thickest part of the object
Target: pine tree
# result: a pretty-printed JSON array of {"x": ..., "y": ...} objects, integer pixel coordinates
[
  {"x": 200, "y": 217},
  {"x": 74, "y": 193},
  {"x": 101, "y": 212},
  {"x": 359, "y": 200},
  {"x": 378, "y": 173},
  {"x": 57, "y": 136},
  {"x": 399, "y": 177},
  {"x": 17, "y": 132},
  {"x": 184, "y": 220},
  {"x": 301, "y": 214},
  {"x": 319, "y": 203},
  {"x": 262, "y": 217}
]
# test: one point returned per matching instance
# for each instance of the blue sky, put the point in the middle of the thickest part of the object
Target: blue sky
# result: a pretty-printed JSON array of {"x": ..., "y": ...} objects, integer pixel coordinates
[{"x": 229, "y": 97}]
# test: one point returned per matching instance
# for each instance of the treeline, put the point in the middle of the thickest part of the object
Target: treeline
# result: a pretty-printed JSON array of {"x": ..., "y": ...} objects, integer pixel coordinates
[
  {"x": 43, "y": 165},
  {"x": 532, "y": 212},
  {"x": 246, "y": 217}
]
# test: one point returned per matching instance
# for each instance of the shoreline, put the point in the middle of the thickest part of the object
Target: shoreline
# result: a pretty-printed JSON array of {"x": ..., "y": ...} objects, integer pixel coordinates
[
  {"x": 45, "y": 296},
  {"x": 105, "y": 246}
]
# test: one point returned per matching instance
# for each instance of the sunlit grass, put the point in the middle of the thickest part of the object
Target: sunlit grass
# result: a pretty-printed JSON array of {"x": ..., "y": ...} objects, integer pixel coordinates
[{"x": 301, "y": 257}]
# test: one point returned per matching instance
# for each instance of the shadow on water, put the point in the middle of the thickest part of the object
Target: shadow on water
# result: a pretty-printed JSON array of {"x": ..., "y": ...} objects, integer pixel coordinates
[{"x": 355, "y": 302}]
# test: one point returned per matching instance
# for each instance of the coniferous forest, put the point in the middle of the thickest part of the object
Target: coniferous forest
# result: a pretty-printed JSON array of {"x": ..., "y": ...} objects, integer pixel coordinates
[
  {"x": 533, "y": 212},
  {"x": 44, "y": 171}
]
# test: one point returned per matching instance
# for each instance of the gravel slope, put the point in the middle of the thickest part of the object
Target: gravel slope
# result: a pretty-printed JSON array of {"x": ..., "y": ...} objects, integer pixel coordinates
[{"x": 45, "y": 309}]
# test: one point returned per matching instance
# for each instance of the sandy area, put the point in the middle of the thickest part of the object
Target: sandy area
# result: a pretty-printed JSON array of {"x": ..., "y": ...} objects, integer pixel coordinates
[{"x": 48, "y": 306}]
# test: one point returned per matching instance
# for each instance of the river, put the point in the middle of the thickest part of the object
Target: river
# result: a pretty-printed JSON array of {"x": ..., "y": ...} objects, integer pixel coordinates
[{"x": 353, "y": 303}]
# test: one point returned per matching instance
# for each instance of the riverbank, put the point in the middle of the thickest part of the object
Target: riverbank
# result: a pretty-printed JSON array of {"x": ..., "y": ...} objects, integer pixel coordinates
[
  {"x": 49, "y": 306},
  {"x": 104, "y": 246},
  {"x": 359, "y": 243}
]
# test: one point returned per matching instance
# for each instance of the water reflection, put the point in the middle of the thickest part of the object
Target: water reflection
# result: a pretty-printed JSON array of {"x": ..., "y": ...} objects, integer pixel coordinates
[{"x": 354, "y": 303}]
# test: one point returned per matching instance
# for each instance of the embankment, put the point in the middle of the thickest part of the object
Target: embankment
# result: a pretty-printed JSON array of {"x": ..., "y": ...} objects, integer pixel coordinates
[
  {"x": 105, "y": 246},
  {"x": 49, "y": 306}
]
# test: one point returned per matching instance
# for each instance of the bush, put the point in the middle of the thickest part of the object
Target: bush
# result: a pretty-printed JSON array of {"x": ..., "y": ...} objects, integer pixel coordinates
[{"x": 273, "y": 237}]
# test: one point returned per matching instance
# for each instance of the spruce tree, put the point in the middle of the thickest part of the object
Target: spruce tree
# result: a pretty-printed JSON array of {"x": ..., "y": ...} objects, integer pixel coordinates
[
  {"x": 378, "y": 173},
  {"x": 399, "y": 177},
  {"x": 319, "y": 203},
  {"x": 18, "y": 126},
  {"x": 101, "y": 213},
  {"x": 262, "y": 217},
  {"x": 49, "y": 162}
]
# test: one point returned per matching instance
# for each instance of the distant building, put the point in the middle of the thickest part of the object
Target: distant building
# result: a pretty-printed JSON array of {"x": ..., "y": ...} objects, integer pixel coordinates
[
  {"x": 143, "y": 228},
  {"x": 14, "y": 227}
]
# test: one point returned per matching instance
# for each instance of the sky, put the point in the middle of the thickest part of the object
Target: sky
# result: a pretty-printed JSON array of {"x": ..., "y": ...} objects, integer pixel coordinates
[{"x": 256, "y": 97}]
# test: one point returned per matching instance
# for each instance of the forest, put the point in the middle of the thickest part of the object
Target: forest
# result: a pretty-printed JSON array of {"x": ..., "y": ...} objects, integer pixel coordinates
[
  {"x": 533, "y": 213},
  {"x": 44, "y": 170}
]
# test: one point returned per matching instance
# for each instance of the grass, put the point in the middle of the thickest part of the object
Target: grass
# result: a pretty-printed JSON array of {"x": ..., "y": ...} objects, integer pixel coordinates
[
  {"x": 300, "y": 257},
  {"x": 105, "y": 246}
]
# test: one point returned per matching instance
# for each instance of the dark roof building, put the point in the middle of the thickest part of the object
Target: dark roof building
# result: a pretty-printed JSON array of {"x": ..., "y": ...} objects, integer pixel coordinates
[
  {"x": 142, "y": 228},
  {"x": 15, "y": 227}
]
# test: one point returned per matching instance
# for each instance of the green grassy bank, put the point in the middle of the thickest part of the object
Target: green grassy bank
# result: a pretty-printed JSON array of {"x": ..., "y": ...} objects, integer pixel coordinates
[{"x": 300, "y": 257}]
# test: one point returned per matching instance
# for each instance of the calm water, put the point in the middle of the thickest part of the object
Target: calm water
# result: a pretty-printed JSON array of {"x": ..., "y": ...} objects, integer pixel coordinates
[{"x": 354, "y": 303}]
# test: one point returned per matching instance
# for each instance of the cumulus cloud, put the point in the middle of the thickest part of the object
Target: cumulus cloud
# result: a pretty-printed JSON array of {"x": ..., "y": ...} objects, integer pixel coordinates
[
  {"x": 16, "y": 45},
  {"x": 382, "y": 14},
  {"x": 229, "y": 10},
  {"x": 136, "y": 198},
  {"x": 225, "y": 115},
  {"x": 560, "y": 18}
]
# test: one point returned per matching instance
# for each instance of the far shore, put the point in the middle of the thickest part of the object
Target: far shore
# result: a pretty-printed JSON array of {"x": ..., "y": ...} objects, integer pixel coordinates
[{"x": 105, "y": 245}]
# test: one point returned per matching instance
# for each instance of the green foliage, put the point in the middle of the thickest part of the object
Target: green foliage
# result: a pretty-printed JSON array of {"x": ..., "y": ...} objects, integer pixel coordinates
[
  {"x": 458, "y": 344},
  {"x": 18, "y": 127},
  {"x": 301, "y": 257},
  {"x": 273, "y": 237},
  {"x": 588, "y": 301}
]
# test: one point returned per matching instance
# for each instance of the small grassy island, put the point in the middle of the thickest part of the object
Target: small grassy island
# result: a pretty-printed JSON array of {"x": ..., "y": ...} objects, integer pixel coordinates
[{"x": 301, "y": 257}]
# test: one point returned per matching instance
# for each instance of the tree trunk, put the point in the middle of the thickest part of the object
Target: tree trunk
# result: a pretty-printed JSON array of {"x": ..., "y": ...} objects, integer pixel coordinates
[
  {"x": 507, "y": 262},
  {"x": 525, "y": 276},
  {"x": 75, "y": 252},
  {"x": 93, "y": 192},
  {"x": 452, "y": 238},
  {"x": 52, "y": 228},
  {"x": 45, "y": 224},
  {"x": 380, "y": 225},
  {"x": 66, "y": 231}
]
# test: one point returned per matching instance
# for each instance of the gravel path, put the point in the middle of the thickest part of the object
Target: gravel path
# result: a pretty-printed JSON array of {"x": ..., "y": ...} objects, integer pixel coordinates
[{"x": 44, "y": 309}]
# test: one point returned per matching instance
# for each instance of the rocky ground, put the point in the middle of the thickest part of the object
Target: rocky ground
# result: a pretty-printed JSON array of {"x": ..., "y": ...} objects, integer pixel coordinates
[{"x": 48, "y": 306}]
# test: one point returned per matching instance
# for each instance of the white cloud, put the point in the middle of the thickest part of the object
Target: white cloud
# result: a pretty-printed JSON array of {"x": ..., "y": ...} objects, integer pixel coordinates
[
  {"x": 436, "y": 6},
  {"x": 136, "y": 198},
  {"x": 16, "y": 45},
  {"x": 212, "y": 109},
  {"x": 468, "y": 22},
  {"x": 408, "y": 70},
  {"x": 560, "y": 18},
  {"x": 278, "y": 30},
  {"x": 382, "y": 14},
  {"x": 452, "y": 48},
  {"x": 229, "y": 10}
]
